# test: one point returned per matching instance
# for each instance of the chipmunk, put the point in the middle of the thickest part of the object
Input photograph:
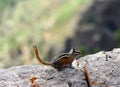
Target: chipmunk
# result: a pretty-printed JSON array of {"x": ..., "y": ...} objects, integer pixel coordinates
[{"x": 61, "y": 61}]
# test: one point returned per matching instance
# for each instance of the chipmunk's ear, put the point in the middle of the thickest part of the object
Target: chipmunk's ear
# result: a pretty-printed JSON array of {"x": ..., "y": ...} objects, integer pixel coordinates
[{"x": 72, "y": 50}]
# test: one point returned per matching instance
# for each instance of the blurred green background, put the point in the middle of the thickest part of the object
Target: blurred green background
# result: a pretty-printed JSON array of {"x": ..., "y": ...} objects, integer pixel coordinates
[
  {"x": 56, "y": 26},
  {"x": 24, "y": 23}
]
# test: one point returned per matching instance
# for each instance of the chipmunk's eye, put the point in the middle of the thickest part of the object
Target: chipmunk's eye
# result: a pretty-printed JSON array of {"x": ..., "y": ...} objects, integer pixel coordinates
[{"x": 77, "y": 52}]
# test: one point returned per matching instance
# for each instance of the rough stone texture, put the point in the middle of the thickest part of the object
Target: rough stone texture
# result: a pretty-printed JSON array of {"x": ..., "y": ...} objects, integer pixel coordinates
[
  {"x": 103, "y": 67},
  {"x": 46, "y": 77}
]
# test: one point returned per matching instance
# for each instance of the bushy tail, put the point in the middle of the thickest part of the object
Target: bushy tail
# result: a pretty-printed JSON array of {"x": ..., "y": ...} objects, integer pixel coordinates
[{"x": 38, "y": 57}]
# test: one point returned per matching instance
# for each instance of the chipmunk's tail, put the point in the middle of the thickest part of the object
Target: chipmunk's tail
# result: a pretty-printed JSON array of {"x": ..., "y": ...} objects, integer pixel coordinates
[{"x": 38, "y": 57}]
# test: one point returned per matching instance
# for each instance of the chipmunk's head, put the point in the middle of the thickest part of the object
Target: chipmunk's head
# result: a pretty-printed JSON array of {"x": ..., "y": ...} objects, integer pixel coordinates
[{"x": 75, "y": 53}]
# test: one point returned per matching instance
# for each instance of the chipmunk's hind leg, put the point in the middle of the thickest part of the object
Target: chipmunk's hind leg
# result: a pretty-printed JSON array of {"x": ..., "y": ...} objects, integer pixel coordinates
[{"x": 57, "y": 65}]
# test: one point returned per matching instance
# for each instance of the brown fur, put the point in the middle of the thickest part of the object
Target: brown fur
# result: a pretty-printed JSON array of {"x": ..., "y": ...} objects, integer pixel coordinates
[{"x": 63, "y": 60}]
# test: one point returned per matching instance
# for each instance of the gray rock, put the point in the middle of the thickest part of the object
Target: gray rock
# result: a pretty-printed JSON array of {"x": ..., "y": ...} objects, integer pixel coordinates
[
  {"x": 103, "y": 68},
  {"x": 46, "y": 76}
]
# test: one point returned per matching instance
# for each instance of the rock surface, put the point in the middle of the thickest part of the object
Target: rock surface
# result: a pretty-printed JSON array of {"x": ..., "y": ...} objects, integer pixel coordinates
[{"x": 103, "y": 69}]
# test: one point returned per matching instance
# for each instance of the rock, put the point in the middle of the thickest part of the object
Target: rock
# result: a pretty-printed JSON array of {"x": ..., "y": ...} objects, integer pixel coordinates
[
  {"x": 103, "y": 69},
  {"x": 19, "y": 76}
]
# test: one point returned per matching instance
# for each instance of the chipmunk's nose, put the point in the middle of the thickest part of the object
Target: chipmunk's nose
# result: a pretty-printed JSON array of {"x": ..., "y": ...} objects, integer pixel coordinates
[
  {"x": 80, "y": 52},
  {"x": 78, "y": 56}
]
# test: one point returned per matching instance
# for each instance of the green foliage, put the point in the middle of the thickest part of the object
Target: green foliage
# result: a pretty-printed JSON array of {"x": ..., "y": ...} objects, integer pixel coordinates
[
  {"x": 67, "y": 10},
  {"x": 6, "y": 3},
  {"x": 118, "y": 37},
  {"x": 84, "y": 50},
  {"x": 26, "y": 22},
  {"x": 95, "y": 50}
]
